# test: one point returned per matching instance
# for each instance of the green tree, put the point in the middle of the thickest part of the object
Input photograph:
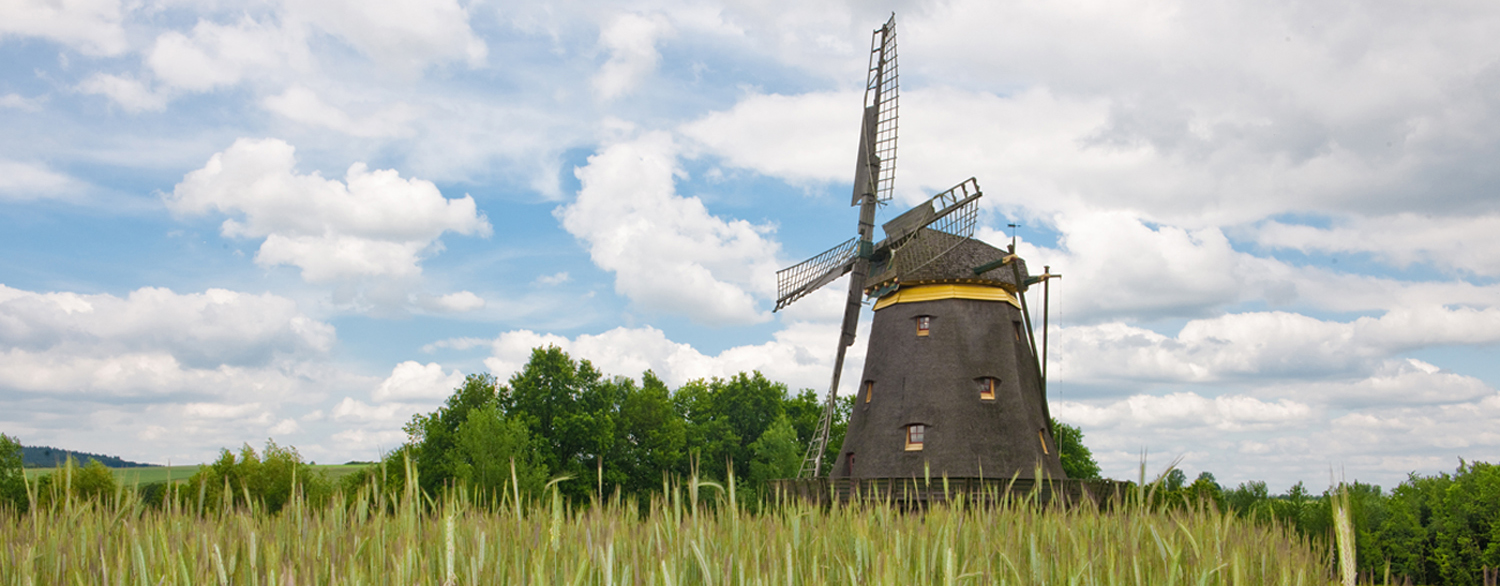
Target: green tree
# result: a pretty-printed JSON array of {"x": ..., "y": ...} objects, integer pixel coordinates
[
  {"x": 711, "y": 441},
  {"x": 434, "y": 436},
  {"x": 570, "y": 410},
  {"x": 1465, "y": 523},
  {"x": 776, "y": 454},
  {"x": 1077, "y": 459},
  {"x": 1250, "y": 500},
  {"x": 725, "y": 416},
  {"x": 1205, "y": 490},
  {"x": 487, "y": 444},
  {"x": 1404, "y": 534},
  {"x": 653, "y": 439},
  {"x": 12, "y": 474}
]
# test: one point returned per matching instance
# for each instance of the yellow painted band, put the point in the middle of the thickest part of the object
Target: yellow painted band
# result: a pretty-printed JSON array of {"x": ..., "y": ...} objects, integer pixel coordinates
[{"x": 948, "y": 291}]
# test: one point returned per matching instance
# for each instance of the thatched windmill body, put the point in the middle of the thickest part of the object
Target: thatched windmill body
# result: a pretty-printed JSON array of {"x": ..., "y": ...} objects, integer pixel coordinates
[{"x": 952, "y": 383}]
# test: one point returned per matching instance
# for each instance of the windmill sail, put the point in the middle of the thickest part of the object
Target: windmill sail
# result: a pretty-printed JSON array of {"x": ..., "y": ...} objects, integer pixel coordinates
[
  {"x": 875, "y": 167},
  {"x": 924, "y": 233},
  {"x": 796, "y": 281}
]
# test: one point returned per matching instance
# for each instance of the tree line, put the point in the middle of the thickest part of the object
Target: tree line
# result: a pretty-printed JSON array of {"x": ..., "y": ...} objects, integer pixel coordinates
[
  {"x": 562, "y": 418},
  {"x": 1439, "y": 529}
]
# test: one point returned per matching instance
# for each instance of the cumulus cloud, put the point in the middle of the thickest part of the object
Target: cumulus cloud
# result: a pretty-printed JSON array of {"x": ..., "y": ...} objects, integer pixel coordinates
[
  {"x": 420, "y": 382},
  {"x": 457, "y": 302},
  {"x": 222, "y": 366},
  {"x": 411, "y": 388},
  {"x": 371, "y": 224},
  {"x": 89, "y": 26},
  {"x": 815, "y": 139},
  {"x": 216, "y": 327},
  {"x": 631, "y": 42},
  {"x": 668, "y": 254}
]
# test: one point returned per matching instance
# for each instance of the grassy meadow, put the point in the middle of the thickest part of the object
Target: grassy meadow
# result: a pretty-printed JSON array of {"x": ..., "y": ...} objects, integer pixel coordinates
[{"x": 695, "y": 533}]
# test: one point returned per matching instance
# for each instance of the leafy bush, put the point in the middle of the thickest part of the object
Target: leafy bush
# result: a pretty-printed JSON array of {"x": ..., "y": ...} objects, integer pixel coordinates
[{"x": 265, "y": 482}]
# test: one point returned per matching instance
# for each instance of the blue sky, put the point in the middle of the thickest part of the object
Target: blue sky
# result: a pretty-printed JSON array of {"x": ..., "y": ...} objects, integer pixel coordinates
[{"x": 226, "y": 222}]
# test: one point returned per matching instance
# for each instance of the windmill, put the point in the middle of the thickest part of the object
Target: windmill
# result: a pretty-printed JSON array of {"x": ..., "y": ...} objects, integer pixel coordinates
[{"x": 959, "y": 387}]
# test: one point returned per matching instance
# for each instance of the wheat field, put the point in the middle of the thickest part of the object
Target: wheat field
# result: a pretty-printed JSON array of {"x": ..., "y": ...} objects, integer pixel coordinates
[{"x": 693, "y": 533}]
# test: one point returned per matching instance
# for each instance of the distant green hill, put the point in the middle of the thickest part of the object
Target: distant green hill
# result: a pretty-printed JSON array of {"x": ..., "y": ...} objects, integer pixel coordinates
[{"x": 50, "y": 457}]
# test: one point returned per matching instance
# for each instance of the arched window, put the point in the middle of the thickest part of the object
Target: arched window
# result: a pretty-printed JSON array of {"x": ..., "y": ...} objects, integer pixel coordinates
[
  {"x": 915, "y": 434},
  {"x": 987, "y": 387}
]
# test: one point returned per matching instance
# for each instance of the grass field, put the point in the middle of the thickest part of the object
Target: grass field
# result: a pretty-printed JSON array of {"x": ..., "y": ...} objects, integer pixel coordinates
[
  {"x": 373, "y": 539},
  {"x": 139, "y": 476}
]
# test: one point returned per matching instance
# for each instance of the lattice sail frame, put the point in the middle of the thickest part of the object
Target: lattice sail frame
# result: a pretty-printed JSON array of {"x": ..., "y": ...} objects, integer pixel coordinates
[
  {"x": 796, "y": 281},
  {"x": 954, "y": 212},
  {"x": 883, "y": 92}
]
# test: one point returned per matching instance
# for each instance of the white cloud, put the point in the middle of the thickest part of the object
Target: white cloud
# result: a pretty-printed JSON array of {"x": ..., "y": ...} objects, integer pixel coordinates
[
  {"x": 800, "y": 355},
  {"x": 1266, "y": 345},
  {"x": 19, "y": 102},
  {"x": 1407, "y": 417},
  {"x": 411, "y": 388},
  {"x": 302, "y": 105},
  {"x": 411, "y": 381},
  {"x": 631, "y": 42},
  {"x": 372, "y": 224},
  {"x": 222, "y": 55},
  {"x": 815, "y": 138},
  {"x": 669, "y": 255},
  {"x": 351, "y": 410},
  {"x": 131, "y": 94},
  {"x": 553, "y": 279},
  {"x": 1393, "y": 382},
  {"x": 457, "y": 302},
  {"x": 285, "y": 427},
  {"x": 102, "y": 370},
  {"x": 402, "y": 34},
  {"x": 1468, "y": 243},
  {"x": 1223, "y": 413},
  {"x": 157, "y": 330},
  {"x": 90, "y": 26},
  {"x": 20, "y": 181}
]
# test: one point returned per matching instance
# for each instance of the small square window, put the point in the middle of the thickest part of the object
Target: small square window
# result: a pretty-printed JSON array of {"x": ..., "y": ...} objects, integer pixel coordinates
[
  {"x": 987, "y": 387},
  {"x": 924, "y": 323},
  {"x": 915, "y": 434},
  {"x": 869, "y": 390}
]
